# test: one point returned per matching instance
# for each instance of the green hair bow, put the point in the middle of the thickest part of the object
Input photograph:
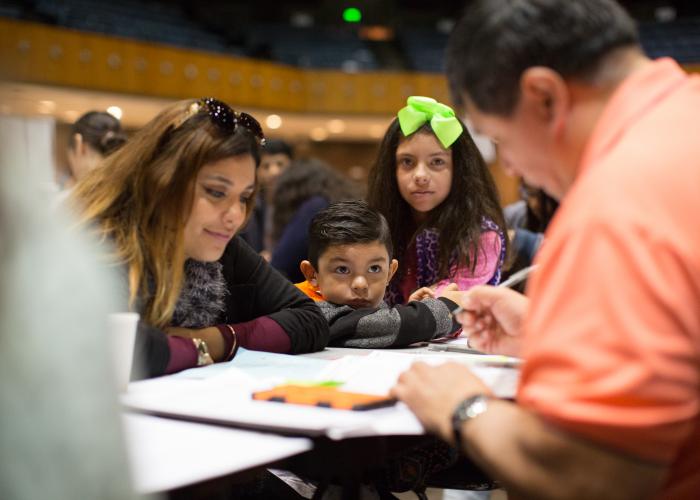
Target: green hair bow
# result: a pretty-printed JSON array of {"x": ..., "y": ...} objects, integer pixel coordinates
[{"x": 426, "y": 109}]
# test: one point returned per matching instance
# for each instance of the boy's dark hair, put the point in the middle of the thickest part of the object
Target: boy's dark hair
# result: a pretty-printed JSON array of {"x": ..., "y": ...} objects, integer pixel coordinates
[
  {"x": 347, "y": 223},
  {"x": 277, "y": 146},
  {"x": 496, "y": 40}
]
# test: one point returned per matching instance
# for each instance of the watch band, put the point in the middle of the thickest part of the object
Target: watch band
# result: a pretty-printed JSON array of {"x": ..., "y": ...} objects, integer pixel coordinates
[
  {"x": 466, "y": 410},
  {"x": 203, "y": 356}
]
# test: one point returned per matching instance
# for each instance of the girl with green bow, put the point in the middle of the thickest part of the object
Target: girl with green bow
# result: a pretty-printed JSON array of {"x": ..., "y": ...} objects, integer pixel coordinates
[{"x": 439, "y": 198}]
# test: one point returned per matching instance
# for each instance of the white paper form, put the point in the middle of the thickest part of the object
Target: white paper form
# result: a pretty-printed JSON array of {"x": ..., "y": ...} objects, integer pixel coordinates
[
  {"x": 227, "y": 399},
  {"x": 165, "y": 454},
  {"x": 259, "y": 364},
  {"x": 224, "y": 395},
  {"x": 377, "y": 372}
]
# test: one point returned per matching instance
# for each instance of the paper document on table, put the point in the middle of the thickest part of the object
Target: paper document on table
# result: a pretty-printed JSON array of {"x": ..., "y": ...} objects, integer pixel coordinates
[
  {"x": 227, "y": 399},
  {"x": 259, "y": 364},
  {"x": 377, "y": 373}
]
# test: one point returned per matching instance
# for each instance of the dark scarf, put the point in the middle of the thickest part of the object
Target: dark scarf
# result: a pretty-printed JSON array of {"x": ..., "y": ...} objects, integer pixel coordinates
[{"x": 202, "y": 299}]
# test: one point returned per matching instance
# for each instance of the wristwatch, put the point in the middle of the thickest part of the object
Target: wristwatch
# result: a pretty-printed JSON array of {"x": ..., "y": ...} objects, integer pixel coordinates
[
  {"x": 468, "y": 409},
  {"x": 203, "y": 356}
]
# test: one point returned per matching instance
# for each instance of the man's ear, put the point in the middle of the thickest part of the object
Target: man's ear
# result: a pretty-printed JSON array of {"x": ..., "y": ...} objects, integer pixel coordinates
[
  {"x": 309, "y": 272},
  {"x": 393, "y": 267},
  {"x": 546, "y": 95}
]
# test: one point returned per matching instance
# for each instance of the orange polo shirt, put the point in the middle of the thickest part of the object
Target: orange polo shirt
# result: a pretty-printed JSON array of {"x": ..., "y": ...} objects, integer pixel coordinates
[
  {"x": 311, "y": 291},
  {"x": 612, "y": 339}
]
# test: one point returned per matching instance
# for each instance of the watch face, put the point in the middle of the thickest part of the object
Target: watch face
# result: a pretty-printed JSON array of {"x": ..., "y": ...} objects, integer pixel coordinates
[
  {"x": 471, "y": 407},
  {"x": 466, "y": 410},
  {"x": 476, "y": 408}
]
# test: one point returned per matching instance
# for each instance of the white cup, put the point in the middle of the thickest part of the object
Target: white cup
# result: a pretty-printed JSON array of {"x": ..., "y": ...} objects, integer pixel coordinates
[{"x": 122, "y": 334}]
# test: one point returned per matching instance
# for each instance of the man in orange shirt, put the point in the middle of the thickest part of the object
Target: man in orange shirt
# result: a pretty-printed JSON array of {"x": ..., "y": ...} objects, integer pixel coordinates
[{"x": 609, "y": 398}]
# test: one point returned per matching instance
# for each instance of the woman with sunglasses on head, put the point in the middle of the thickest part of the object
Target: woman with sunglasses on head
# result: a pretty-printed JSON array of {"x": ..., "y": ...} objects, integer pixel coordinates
[{"x": 171, "y": 202}]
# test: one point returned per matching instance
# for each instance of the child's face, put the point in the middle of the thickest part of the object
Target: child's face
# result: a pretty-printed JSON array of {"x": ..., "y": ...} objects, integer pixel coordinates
[
  {"x": 355, "y": 275},
  {"x": 423, "y": 173}
]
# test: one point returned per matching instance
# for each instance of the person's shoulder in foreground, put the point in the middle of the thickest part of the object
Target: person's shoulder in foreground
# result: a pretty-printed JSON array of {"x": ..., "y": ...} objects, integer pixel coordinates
[{"x": 350, "y": 265}]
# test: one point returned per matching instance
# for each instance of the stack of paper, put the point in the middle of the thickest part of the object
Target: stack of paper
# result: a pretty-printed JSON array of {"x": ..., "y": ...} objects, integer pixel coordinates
[
  {"x": 222, "y": 393},
  {"x": 378, "y": 372}
]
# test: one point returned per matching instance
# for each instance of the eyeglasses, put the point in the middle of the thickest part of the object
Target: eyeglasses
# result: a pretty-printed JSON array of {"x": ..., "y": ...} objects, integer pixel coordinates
[{"x": 226, "y": 119}]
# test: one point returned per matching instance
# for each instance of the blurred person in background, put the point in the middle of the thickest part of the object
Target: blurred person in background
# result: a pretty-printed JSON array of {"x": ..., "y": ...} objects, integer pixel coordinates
[
  {"x": 93, "y": 136},
  {"x": 60, "y": 431},
  {"x": 527, "y": 219},
  {"x": 303, "y": 190},
  {"x": 275, "y": 158}
]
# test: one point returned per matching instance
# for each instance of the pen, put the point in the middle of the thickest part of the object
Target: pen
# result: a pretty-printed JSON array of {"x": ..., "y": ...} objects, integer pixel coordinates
[
  {"x": 453, "y": 348},
  {"x": 518, "y": 277},
  {"x": 514, "y": 279},
  {"x": 494, "y": 360}
]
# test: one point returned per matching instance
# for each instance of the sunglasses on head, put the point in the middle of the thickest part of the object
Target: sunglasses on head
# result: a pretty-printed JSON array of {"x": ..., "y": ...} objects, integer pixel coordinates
[{"x": 226, "y": 119}]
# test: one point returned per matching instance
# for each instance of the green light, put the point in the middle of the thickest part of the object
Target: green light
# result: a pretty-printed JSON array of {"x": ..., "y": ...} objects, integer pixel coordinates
[{"x": 352, "y": 15}]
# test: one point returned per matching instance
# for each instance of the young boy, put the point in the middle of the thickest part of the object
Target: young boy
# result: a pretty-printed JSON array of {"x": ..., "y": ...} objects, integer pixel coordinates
[{"x": 350, "y": 265}]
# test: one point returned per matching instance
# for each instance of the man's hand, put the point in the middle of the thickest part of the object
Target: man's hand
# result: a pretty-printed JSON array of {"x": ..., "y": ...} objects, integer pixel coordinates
[
  {"x": 429, "y": 292},
  {"x": 492, "y": 318},
  {"x": 531, "y": 457},
  {"x": 433, "y": 393}
]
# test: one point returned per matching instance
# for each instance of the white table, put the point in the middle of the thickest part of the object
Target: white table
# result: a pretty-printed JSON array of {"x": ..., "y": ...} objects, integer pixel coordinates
[{"x": 165, "y": 454}]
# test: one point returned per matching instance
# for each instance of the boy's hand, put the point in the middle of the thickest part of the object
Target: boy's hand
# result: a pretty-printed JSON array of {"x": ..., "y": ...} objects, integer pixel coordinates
[
  {"x": 422, "y": 293},
  {"x": 452, "y": 287},
  {"x": 455, "y": 296},
  {"x": 453, "y": 293},
  {"x": 429, "y": 292}
]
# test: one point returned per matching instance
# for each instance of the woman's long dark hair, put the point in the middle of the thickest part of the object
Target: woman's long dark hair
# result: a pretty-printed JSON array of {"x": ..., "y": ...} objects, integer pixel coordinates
[
  {"x": 303, "y": 180},
  {"x": 537, "y": 221},
  {"x": 457, "y": 219}
]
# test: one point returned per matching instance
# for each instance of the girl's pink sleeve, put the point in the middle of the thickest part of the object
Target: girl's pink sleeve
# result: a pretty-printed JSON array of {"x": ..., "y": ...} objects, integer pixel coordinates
[{"x": 487, "y": 264}]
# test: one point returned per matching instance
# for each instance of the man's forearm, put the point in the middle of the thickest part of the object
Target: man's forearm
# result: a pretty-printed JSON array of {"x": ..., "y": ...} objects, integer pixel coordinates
[{"x": 534, "y": 460}]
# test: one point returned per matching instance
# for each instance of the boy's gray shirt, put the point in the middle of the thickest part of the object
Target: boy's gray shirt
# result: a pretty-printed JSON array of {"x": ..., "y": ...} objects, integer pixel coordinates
[{"x": 383, "y": 326}]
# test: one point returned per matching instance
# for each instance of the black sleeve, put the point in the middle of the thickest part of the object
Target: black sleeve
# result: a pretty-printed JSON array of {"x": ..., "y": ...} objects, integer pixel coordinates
[
  {"x": 151, "y": 352},
  {"x": 256, "y": 289}
]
